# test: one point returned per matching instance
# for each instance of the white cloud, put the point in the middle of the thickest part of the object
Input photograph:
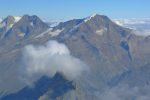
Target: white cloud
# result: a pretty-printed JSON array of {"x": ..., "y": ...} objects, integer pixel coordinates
[
  {"x": 125, "y": 92},
  {"x": 48, "y": 59}
]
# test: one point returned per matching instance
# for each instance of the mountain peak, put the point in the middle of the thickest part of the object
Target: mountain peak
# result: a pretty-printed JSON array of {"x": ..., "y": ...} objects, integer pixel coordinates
[
  {"x": 30, "y": 18},
  {"x": 95, "y": 16},
  {"x": 9, "y": 20},
  {"x": 27, "y": 25},
  {"x": 17, "y": 18},
  {"x": 6, "y": 25}
]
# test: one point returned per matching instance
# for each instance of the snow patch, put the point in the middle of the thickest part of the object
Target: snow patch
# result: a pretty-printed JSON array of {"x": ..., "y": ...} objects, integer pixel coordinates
[
  {"x": 17, "y": 18},
  {"x": 21, "y": 34},
  {"x": 0, "y": 20},
  {"x": 118, "y": 23},
  {"x": 2, "y": 25},
  {"x": 31, "y": 23},
  {"x": 44, "y": 33},
  {"x": 75, "y": 27},
  {"x": 50, "y": 32},
  {"x": 53, "y": 24},
  {"x": 10, "y": 26},
  {"x": 89, "y": 18},
  {"x": 101, "y": 31},
  {"x": 84, "y": 21},
  {"x": 55, "y": 33}
]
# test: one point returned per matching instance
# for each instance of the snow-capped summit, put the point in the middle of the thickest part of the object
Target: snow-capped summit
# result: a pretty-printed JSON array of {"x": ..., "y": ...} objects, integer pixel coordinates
[
  {"x": 9, "y": 21},
  {"x": 16, "y": 26},
  {"x": 17, "y": 18},
  {"x": 92, "y": 16},
  {"x": 14, "y": 18},
  {"x": 6, "y": 25}
]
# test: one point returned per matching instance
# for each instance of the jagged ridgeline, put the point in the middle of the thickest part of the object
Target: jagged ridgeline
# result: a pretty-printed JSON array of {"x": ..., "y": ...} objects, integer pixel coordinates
[{"x": 116, "y": 61}]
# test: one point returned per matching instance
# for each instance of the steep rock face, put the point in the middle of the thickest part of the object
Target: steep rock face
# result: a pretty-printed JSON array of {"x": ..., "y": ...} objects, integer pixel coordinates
[
  {"x": 58, "y": 85},
  {"x": 9, "y": 20},
  {"x": 140, "y": 50},
  {"x": 102, "y": 33},
  {"x": 100, "y": 38},
  {"x": 12, "y": 44},
  {"x": 68, "y": 24},
  {"x": 28, "y": 26},
  {"x": 6, "y": 25},
  {"x": 112, "y": 53},
  {"x": 22, "y": 32},
  {"x": 96, "y": 40}
]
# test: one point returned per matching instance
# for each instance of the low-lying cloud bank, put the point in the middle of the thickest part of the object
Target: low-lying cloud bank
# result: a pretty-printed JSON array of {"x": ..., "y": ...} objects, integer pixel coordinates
[
  {"x": 125, "y": 92},
  {"x": 48, "y": 59}
]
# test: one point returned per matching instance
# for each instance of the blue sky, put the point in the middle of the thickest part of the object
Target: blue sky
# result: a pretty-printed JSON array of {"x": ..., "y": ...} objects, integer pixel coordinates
[{"x": 67, "y": 9}]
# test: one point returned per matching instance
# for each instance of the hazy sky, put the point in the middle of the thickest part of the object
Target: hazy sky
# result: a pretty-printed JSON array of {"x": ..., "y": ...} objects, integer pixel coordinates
[{"x": 66, "y": 9}]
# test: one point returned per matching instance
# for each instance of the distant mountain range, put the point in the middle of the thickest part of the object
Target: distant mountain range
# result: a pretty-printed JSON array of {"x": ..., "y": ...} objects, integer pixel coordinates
[{"x": 118, "y": 60}]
